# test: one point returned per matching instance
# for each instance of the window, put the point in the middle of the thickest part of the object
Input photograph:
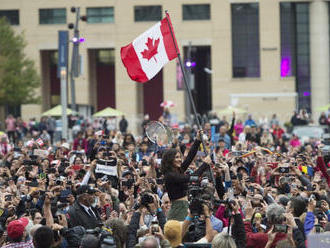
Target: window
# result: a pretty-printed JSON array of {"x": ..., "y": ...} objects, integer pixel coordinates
[
  {"x": 288, "y": 39},
  {"x": 147, "y": 13},
  {"x": 100, "y": 15},
  {"x": 295, "y": 57},
  {"x": 196, "y": 12},
  {"x": 52, "y": 16},
  {"x": 303, "y": 77},
  {"x": 12, "y": 16},
  {"x": 245, "y": 40}
]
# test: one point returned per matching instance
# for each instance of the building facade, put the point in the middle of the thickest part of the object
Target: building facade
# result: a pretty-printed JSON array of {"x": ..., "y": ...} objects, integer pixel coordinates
[{"x": 266, "y": 56}]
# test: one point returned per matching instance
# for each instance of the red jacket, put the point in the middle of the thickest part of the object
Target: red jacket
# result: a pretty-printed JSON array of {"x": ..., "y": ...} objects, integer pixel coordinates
[
  {"x": 259, "y": 240},
  {"x": 321, "y": 166}
]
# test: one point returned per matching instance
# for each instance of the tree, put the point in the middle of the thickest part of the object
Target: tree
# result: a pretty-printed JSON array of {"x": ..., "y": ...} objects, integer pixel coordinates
[{"x": 19, "y": 79}]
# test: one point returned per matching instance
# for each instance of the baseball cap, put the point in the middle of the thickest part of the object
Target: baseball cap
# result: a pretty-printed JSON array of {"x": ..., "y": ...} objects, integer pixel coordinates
[
  {"x": 85, "y": 189},
  {"x": 15, "y": 228},
  {"x": 172, "y": 232}
]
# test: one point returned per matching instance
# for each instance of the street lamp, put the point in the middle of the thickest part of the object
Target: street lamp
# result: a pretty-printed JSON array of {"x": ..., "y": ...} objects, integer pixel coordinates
[{"x": 76, "y": 40}]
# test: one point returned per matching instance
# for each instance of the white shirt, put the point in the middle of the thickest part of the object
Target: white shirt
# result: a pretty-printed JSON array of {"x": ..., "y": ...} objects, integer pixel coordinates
[{"x": 87, "y": 208}]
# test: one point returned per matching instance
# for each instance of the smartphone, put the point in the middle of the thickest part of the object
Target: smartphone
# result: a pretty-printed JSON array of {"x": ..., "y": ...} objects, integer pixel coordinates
[
  {"x": 154, "y": 227},
  {"x": 284, "y": 169},
  {"x": 8, "y": 197},
  {"x": 280, "y": 228}
]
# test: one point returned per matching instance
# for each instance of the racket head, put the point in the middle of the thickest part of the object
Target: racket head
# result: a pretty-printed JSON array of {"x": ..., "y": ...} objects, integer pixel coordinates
[{"x": 159, "y": 133}]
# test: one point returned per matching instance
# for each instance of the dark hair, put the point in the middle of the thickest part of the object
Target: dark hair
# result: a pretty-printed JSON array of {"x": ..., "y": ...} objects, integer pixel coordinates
[
  {"x": 89, "y": 241},
  {"x": 167, "y": 160},
  {"x": 43, "y": 237},
  {"x": 299, "y": 206},
  {"x": 119, "y": 231},
  {"x": 33, "y": 212}
]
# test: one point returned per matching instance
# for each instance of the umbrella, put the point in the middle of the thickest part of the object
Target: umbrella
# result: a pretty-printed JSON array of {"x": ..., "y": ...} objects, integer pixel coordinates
[
  {"x": 167, "y": 104},
  {"x": 108, "y": 112},
  {"x": 230, "y": 110},
  {"x": 324, "y": 108},
  {"x": 57, "y": 111}
]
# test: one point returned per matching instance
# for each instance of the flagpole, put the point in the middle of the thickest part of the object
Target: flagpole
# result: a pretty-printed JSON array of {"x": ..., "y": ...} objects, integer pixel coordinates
[{"x": 188, "y": 90}]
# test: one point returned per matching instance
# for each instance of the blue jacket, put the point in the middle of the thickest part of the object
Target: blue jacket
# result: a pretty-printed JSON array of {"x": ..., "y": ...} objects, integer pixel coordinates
[{"x": 309, "y": 222}]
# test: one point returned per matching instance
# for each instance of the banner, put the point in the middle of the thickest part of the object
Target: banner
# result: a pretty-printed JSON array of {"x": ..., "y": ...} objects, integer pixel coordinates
[
  {"x": 107, "y": 167},
  {"x": 40, "y": 153}
]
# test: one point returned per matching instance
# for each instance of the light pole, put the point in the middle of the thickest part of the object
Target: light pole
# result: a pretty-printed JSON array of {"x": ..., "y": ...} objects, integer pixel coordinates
[{"x": 75, "y": 61}]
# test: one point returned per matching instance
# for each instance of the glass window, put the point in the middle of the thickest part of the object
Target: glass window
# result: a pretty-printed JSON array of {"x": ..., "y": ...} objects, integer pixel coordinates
[
  {"x": 147, "y": 13},
  {"x": 295, "y": 59},
  {"x": 12, "y": 16},
  {"x": 245, "y": 40},
  {"x": 52, "y": 16},
  {"x": 196, "y": 12},
  {"x": 100, "y": 15}
]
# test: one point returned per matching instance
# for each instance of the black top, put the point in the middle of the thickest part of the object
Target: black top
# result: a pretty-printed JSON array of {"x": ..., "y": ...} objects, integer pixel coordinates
[{"x": 177, "y": 183}]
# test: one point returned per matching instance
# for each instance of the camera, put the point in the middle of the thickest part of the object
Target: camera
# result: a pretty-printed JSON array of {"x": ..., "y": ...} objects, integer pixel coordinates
[
  {"x": 129, "y": 182},
  {"x": 196, "y": 198},
  {"x": 280, "y": 228},
  {"x": 144, "y": 162},
  {"x": 104, "y": 235},
  {"x": 146, "y": 199}
]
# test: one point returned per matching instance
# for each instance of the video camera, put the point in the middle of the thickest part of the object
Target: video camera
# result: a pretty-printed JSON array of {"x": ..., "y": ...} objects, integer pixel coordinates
[
  {"x": 197, "y": 197},
  {"x": 104, "y": 235}
]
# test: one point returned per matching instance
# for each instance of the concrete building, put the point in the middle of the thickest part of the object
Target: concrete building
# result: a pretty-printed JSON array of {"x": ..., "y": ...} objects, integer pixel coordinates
[{"x": 266, "y": 56}]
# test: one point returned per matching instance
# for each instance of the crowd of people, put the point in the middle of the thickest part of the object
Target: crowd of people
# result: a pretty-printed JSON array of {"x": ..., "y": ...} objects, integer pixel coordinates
[{"x": 228, "y": 184}]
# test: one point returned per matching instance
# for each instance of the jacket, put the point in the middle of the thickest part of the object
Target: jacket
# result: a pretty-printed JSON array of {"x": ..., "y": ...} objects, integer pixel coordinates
[
  {"x": 309, "y": 222},
  {"x": 135, "y": 224},
  {"x": 77, "y": 216},
  {"x": 259, "y": 240}
]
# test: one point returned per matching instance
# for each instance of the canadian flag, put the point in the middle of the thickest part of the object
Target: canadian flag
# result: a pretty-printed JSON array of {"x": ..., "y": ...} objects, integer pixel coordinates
[
  {"x": 148, "y": 53},
  {"x": 40, "y": 142},
  {"x": 30, "y": 143}
]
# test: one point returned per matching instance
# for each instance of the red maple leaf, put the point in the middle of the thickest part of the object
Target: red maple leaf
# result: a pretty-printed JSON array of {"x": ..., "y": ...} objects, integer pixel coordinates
[{"x": 152, "y": 49}]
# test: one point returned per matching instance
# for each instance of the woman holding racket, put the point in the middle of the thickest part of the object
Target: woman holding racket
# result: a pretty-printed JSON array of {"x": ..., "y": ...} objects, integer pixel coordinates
[{"x": 176, "y": 181}]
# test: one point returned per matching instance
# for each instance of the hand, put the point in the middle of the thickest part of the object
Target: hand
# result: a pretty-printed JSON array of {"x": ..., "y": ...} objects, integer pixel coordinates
[
  {"x": 290, "y": 220},
  {"x": 114, "y": 214},
  {"x": 199, "y": 135},
  {"x": 324, "y": 206},
  {"x": 206, "y": 210},
  {"x": 56, "y": 227},
  {"x": 271, "y": 235},
  {"x": 311, "y": 205},
  {"x": 264, "y": 206},
  {"x": 48, "y": 197},
  {"x": 62, "y": 220},
  {"x": 207, "y": 160},
  {"x": 159, "y": 234},
  {"x": 248, "y": 210},
  {"x": 295, "y": 170}
]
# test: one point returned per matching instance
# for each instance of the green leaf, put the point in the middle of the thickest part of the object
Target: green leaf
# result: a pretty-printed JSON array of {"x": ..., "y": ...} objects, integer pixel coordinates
[{"x": 19, "y": 79}]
